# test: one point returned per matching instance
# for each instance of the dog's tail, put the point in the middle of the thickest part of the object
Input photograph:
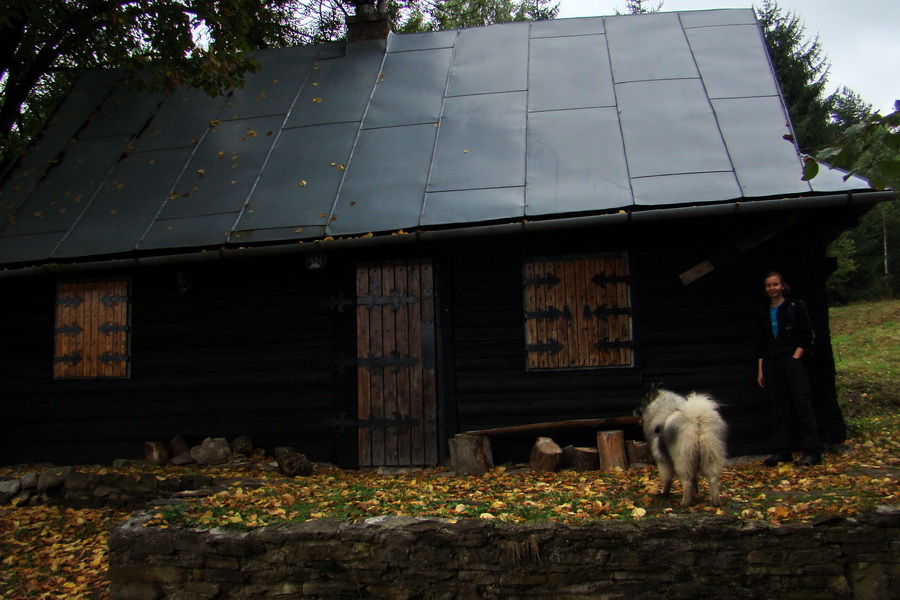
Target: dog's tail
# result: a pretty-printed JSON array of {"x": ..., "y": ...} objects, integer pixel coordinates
[{"x": 702, "y": 412}]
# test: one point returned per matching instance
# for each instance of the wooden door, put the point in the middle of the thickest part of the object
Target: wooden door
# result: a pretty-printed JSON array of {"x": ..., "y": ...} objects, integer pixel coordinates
[{"x": 396, "y": 376}]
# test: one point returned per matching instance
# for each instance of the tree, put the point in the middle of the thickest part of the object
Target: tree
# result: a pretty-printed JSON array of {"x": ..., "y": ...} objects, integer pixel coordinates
[
  {"x": 168, "y": 43},
  {"x": 868, "y": 145},
  {"x": 202, "y": 43},
  {"x": 636, "y": 7},
  {"x": 453, "y": 14},
  {"x": 802, "y": 71}
]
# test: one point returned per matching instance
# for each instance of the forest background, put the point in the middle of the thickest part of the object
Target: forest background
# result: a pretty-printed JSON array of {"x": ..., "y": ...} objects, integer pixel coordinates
[{"x": 207, "y": 44}]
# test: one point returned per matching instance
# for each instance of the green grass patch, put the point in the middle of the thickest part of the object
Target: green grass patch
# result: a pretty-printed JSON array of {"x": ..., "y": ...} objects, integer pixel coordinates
[{"x": 865, "y": 339}]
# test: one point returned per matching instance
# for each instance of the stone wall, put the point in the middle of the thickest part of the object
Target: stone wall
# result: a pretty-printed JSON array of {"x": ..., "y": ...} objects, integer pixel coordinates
[
  {"x": 66, "y": 485},
  {"x": 688, "y": 556}
]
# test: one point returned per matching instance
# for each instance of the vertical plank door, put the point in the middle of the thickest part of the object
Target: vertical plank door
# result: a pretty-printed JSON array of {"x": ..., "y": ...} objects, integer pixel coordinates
[{"x": 396, "y": 376}]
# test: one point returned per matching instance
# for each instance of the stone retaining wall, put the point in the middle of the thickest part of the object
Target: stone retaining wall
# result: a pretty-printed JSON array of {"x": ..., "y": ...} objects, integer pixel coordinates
[
  {"x": 688, "y": 556},
  {"x": 81, "y": 489}
]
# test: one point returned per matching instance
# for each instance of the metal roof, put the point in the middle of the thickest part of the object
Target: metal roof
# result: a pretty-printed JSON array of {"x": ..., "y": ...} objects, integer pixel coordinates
[{"x": 505, "y": 123}]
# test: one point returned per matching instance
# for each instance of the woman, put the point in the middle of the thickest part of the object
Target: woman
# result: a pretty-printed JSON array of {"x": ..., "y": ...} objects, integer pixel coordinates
[{"x": 785, "y": 336}]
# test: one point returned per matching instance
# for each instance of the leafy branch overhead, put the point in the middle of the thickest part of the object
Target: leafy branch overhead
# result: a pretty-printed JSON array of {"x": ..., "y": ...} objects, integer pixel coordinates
[{"x": 870, "y": 148}]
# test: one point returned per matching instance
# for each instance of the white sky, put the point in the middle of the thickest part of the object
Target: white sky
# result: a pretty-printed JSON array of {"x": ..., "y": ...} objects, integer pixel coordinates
[{"x": 861, "y": 38}]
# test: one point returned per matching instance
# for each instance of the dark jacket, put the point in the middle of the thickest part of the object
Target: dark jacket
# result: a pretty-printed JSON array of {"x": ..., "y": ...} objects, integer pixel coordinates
[{"x": 794, "y": 330}]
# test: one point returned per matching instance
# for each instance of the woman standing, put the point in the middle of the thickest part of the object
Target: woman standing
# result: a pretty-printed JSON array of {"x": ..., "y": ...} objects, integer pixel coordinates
[{"x": 785, "y": 335}]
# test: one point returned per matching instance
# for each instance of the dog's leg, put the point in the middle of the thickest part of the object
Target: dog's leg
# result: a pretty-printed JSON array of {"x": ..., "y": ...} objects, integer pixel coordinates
[
  {"x": 689, "y": 485},
  {"x": 713, "y": 482},
  {"x": 667, "y": 474},
  {"x": 687, "y": 497}
]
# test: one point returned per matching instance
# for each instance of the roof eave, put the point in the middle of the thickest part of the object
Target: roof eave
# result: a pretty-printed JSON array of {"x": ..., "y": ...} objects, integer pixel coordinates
[{"x": 735, "y": 207}]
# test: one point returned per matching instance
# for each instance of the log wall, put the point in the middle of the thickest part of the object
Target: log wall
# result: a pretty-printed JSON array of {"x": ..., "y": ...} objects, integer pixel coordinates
[{"x": 251, "y": 347}]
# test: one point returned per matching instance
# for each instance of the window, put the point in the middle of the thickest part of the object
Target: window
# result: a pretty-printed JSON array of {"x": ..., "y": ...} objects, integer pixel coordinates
[
  {"x": 92, "y": 327},
  {"x": 577, "y": 312}
]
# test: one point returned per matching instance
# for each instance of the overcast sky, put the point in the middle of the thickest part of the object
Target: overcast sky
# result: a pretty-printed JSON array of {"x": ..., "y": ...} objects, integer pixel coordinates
[{"x": 861, "y": 38}]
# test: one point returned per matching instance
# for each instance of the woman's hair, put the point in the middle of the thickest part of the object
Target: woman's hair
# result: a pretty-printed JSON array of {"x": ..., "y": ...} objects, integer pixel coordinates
[{"x": 784, "y": 284}]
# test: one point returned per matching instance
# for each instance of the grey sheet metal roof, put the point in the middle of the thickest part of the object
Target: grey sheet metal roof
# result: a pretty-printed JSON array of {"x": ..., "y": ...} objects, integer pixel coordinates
[{"x": 453, "y": 128}]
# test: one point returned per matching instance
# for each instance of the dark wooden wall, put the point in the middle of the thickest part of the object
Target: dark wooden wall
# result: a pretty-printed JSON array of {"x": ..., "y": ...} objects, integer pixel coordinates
[
  {"x": 700, "y": 336},
  {"x": 251, "y": 348}
]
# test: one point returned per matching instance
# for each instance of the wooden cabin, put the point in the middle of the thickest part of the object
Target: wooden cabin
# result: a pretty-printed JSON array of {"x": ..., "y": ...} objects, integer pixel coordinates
[{"x": 374, "y": 246}]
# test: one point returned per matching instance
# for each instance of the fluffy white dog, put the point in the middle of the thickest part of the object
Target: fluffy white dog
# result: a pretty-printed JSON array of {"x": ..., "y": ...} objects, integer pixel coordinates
[{"x": 686, "y": 437}]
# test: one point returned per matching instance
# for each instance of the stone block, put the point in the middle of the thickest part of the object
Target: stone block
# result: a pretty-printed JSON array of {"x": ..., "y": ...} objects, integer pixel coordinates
[
  {"x": 145, "y": 574},
  {"x": 218, "y": 575},
  {"x": 201, "y": 590},
  {"x": 52, "y": 478},
  {"x": 130, "y": 590},
  {"x": 76, "y": 481},
  {"x": 29, "y": 480},
  {"x": 8, "y": 489},
  {"x": 103, "y": 491},
  {"x": 212, "y": 451},
  {"x": 213, "y": 561}
]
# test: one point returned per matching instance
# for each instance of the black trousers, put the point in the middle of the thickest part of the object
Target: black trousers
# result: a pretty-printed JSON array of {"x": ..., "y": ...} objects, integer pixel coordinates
[{"x": 787, "y": 384}]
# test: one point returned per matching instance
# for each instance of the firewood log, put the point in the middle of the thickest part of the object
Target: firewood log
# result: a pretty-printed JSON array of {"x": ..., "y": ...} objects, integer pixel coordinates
[
  {"x": 546, "y": 455},
  {"x": 611, "y": 446}
]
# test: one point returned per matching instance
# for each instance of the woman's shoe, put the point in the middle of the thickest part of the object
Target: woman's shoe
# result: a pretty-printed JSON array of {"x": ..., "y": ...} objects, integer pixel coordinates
[
  {"x": 775, "y": 459},
  {"x": 809, "y": 460}
]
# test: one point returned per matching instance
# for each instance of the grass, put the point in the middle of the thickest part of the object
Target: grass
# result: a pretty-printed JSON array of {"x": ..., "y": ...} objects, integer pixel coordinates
[{"x": 865, "y": 338}]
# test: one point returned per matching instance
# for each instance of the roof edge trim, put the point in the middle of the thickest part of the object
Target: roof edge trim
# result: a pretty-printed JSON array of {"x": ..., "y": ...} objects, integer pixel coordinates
[{"x": 319, "y": 246}]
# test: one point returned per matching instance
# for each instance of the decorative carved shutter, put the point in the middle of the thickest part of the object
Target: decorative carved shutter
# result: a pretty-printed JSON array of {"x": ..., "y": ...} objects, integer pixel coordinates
[
  {"x": 91, "y": 335},
  {"x": 577, "y": 312},
  {"x": 396, "y": 375}
]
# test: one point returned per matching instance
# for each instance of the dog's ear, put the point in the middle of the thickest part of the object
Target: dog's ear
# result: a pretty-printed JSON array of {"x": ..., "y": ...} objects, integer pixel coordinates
[{"x": 651, "y": 393}]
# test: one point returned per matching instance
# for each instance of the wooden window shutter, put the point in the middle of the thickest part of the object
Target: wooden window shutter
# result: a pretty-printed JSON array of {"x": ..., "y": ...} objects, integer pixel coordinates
[
  {"x": 577, "y": 312},
  {"x": 92, "y": 330}
]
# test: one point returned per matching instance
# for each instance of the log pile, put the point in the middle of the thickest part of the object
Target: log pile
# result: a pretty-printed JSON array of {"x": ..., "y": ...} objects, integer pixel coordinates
[
  {"x": 470, "y": 452},
  {"x": 219, "y": 451}
]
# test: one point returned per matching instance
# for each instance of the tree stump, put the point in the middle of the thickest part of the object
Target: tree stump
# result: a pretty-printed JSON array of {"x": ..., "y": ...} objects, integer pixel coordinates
[
  {"x": 242, "y": 445},
  {"x": 180, "y": 445},
  {"x": 611, "y": 446},
  {"x": 581, "y": 459},
  {"x": 471, "y": 454},
  {"x": 292, "y": 464},
  {"x": 545, "y": 455},
  {"x": 638, "y": 453},
  {"x": 280, "y": 450}
]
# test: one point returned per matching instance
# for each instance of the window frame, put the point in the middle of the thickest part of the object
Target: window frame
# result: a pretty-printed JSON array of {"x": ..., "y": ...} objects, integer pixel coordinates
[
  {"x": 92, "y": 329},
  {"x": 578, "y": 312}
]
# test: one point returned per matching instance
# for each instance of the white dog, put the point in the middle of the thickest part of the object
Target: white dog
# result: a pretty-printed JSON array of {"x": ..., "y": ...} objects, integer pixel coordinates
[{"x": 686, "y": 437}]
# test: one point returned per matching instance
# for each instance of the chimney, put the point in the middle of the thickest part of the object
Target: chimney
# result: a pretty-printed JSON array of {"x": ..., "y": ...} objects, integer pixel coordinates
[{"x": 368, "y": 23}]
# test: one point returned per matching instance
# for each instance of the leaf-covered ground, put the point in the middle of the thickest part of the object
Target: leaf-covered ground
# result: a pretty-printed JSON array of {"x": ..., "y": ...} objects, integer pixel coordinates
[{"x": 51, "y": 552}]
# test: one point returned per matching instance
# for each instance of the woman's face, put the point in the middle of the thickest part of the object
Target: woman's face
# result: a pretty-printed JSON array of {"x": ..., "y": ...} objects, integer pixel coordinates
[{"x": 774, "y": 286}]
